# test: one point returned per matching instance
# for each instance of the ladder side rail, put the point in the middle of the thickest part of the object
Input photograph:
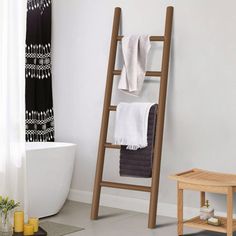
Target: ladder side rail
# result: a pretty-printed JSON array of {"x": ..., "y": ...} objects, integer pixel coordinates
[
  {"x": 105, "y": 115},
  {"x": 160, "y": 121}
]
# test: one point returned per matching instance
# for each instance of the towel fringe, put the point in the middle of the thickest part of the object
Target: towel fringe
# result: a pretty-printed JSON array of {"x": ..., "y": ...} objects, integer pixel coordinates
[{"x": 122, "y": 141}]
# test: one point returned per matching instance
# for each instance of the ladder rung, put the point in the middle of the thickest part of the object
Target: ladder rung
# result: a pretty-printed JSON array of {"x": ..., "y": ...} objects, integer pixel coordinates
[
  {"x": 112, "y": 108},
  {"x": 152, "y": 38},
  {"x": 148, "y": 73},
  {"x": 110, "y": 145},
  {"x": 125, "y": 186}
]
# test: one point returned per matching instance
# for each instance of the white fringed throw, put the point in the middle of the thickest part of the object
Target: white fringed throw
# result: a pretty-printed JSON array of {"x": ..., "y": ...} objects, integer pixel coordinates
[{"x": 131, "y": 125}]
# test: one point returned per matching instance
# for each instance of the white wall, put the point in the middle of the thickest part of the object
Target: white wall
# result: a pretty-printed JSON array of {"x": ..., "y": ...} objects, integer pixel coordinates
[{"x": 200, "y": 128}]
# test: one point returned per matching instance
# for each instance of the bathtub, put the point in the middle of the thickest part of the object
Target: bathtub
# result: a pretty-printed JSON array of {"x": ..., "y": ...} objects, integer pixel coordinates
[{"x": 49, "y": 173}]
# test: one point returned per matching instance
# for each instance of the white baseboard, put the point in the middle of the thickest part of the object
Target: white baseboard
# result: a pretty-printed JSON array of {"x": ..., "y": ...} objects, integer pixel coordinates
[{"x": 134, "y": 204}]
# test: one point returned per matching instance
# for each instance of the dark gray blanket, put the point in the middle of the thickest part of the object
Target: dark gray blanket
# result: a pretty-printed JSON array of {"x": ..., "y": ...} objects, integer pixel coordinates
[{"x": 138, "y": 163}]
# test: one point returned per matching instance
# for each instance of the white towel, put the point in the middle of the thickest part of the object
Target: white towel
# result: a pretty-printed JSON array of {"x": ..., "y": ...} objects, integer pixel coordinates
[
  {"x": 131, "y": 125},
  {"x": 135, "y": 50}
]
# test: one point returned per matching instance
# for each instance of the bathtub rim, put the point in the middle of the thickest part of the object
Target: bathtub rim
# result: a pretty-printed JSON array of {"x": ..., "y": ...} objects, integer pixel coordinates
[{"x": 32, "y": 146}]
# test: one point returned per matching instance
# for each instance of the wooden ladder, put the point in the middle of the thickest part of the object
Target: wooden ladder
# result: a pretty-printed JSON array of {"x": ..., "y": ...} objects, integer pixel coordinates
[{"x": 107, "y": 108}]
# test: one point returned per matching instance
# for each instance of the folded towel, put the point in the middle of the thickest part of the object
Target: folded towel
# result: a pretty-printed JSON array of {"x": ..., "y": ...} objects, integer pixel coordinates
[
  {"x": 139, "y": 163},
  {"x": 135, "y": 50},
  {"x": 131, "y": 125}
]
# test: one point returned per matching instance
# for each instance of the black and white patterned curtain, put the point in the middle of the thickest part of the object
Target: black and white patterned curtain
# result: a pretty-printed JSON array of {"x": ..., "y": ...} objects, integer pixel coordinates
[{"x": 39, "y": 105}]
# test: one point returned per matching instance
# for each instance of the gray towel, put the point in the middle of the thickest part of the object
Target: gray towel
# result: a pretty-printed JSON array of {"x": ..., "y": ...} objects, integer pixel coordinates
[{"x": 138, "y": 163}]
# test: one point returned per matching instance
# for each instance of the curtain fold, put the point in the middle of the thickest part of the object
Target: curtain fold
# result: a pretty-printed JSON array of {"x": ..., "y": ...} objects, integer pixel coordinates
[
  {"x": 39, "y": 106},
  {"x": 12, "y": 100}
]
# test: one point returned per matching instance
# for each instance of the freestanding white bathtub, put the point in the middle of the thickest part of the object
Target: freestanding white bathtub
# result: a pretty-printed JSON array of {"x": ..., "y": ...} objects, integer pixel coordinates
[{"x": 49, "y": 173}]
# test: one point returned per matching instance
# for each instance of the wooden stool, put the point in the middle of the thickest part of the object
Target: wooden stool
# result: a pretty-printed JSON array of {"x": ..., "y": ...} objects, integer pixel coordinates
[{"x": 206, "y": 181}]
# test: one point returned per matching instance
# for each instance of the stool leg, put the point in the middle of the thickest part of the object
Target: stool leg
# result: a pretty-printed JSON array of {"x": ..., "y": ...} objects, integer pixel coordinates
[
  {"x": 230, "y": 212},
  {"x": 180, "y": 210},
  {"x": 202, "y": 198}
]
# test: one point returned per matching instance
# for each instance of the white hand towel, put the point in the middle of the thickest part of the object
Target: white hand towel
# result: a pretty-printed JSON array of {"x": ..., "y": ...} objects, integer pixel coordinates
[
  {"x": 131, "y": 125},
  {"x": 135, "y": 50}
]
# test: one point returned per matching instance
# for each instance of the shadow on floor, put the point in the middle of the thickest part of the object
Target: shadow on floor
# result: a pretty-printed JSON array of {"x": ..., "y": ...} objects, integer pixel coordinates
[
  {"x": 104, "y": 216},
  {"x": 165, "y": 225}
]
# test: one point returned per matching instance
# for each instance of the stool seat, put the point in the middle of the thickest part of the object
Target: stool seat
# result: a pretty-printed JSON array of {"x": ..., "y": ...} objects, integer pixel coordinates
[{"x": 203, "y": 177}]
